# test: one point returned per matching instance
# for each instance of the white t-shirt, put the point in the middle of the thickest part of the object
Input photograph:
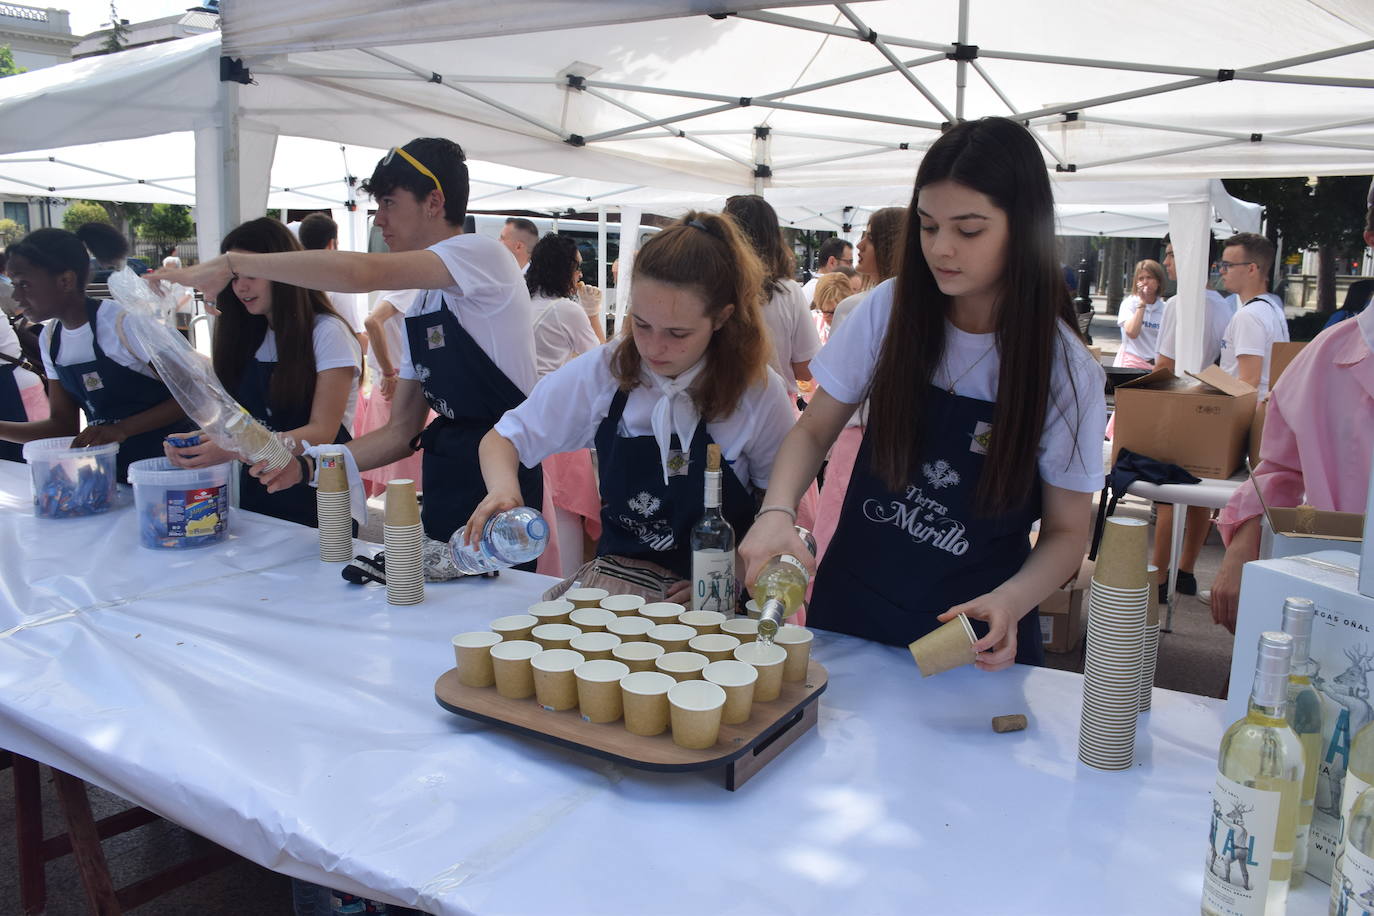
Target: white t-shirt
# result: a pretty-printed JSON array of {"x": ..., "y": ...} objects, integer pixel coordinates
[
  {"x": 1144, "y": 345},
  {"x": 809, "y": 288},
  {"x": 335, "y": 348},
  {"x": 489, "y": 298},
  {"x": 566, "y": 407},
  {"x": 561, "y": 331},
  {"x": 402, "y": 300},
  {"x": 788, "y": 316},
  {"x": 843, "y": 310},
  {"x": 9, "y": 345},
  {"x": 1253, "y": 329},
  {"x": 77, "y": 346},
  {"x": 350, "y": 308},
  {"x": 1070, "y": 451},
  {"x": 1220, "y": 310}
]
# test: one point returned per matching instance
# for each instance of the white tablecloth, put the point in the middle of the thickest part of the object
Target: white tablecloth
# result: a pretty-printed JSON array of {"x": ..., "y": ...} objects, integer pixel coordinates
[{"x": 248, "y": 693}]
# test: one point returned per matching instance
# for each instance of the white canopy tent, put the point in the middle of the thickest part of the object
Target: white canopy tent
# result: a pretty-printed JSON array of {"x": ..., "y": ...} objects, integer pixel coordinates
[{"x": 808, "y": 97}]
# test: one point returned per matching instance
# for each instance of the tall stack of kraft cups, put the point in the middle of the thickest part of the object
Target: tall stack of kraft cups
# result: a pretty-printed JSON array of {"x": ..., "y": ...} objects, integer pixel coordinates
[
  {"x": 333, "y": 509},
  {"x": 1150, "y": 644},
  {"x": 1118, "y": 606},
  {"x": 402, "y": 538}
]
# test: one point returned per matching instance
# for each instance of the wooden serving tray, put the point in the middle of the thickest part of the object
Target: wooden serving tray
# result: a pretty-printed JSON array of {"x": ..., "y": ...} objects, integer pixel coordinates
[{"x": 742, "y": 749}]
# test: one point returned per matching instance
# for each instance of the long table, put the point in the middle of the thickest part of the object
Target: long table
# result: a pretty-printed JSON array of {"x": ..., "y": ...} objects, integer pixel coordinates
[{"x": 248, "y": 693}]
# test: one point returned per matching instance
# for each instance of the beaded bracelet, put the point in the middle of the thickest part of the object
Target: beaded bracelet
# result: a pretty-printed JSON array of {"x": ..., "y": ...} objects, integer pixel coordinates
[{"x": 792, "y": 513}]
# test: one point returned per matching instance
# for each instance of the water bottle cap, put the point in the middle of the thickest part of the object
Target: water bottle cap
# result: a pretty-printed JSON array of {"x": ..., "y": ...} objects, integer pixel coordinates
[{"x": 537, "y": 528}]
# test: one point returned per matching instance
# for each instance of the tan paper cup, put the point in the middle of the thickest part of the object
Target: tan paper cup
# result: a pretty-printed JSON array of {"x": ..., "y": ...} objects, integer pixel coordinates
[
  {"x": 751, "y": 609},
  {"x": 511, "y": 663},
  {"x": 702, "y": 621},
  {"x": 557, "y": 611},
  {"x": 623, "y": 605},
  {"x": 514, "y": 626},
  {"x": 631, "y": 629},
  {"x": 473, "y": 652},
  {"x": 1123, "y": 555},
  {"x": 673, "y": 637},
  {"x": 594, "y": 645},
  {"x": 694, "y": 708},
  {"x": 948, "y": 646},
  {"x": 797, "y": 642},
  {"x": 745, "y": 629},
  {"x": 662, "y": 611},
  {"x": 586, "y": 597},
  {"x": 738, "y": 680},
  {"x": 401, "y": 506},
  {"x": 591, "y": 619},
  {"x": 598, "y": 689},
  {"x": 554, "y": 635},
  {"x": 682, "y": 666},
  {"x": 555, "y": 685},
  {"x": 332, "y": 475},
  {"x": 718, "y": 647},
  {"x": 768, "y": 660},
  {"x": 644, "y": 695},
  {"x": 638, "y": 655}
]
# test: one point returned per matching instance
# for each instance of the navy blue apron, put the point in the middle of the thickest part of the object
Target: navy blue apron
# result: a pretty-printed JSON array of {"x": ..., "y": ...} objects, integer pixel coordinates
[
  {"x": 897, "y": 560},
  {"x": 109, "y": 392},
  {"x": 12, "y": 409},
  {"x": 469, "y": 393},
  {"x": 294, "y": 504},
  {"x": 642, "y": 517}
]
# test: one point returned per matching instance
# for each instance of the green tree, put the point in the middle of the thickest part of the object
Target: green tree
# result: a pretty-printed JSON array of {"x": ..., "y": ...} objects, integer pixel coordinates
[
  {"x": 1322, "y": 213},
  {"x": 7, "y": 65},
  {"x": 80, "y": 212},
  {"x": 10, "y": 231},
  {"x": 119, "y": 34},
  {"x": 165, "y": 225}
]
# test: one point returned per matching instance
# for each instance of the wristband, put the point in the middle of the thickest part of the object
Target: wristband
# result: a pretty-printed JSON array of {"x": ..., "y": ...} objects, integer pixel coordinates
[
  {"x": 392, "y": 374},
  {"x": 307, "y": 475},
  {"x": 790, "y": 512}
]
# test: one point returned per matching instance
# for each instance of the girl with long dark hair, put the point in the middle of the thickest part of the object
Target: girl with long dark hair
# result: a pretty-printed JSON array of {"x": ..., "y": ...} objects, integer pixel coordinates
[
  {"x": 289, "y": 359},
  {"x": 689, "y": 368},
  {"x": 986, "y": 413}
]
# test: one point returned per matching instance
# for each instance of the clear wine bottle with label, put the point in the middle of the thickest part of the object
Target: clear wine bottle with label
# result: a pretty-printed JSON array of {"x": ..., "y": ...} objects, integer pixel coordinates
[
  {"x": 1352, "y": 883},
  {"x": 713, "y": 548},
  {"x": 780, "y": 589},
  {"x": 1304, "y": 714},
  {"x": 1255, "y": 800},
  {"x": 1359, "y": 776}
]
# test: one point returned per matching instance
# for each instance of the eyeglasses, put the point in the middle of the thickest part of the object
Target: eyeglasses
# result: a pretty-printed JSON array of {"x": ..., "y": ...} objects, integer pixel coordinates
[
  {"x": 849, "y": 261},
  {"x": 415, "y": 162},
  {"x": 1227, "y": 265}
]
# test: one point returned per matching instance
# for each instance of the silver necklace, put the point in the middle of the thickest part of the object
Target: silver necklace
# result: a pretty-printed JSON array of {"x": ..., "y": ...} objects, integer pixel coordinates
[{"x": 971, "y": 367}]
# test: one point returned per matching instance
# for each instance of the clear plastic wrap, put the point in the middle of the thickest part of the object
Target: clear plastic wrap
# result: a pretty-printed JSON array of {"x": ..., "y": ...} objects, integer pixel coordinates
[{"x": 190, "y": 377}]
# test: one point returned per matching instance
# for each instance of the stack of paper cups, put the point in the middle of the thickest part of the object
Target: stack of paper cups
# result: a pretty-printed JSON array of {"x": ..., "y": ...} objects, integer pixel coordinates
[
  {"x": 1117, "y": 607},
  {"x": 257, "y": 442},
  {"x": 331, "y": 503},
  {"x": 403, "y": 538},
  {"x": 1150, "y": 644}
]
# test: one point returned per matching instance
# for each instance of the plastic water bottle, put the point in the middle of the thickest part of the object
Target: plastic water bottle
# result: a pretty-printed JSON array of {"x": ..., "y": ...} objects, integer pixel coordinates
[{"x": 508, "y": 538}]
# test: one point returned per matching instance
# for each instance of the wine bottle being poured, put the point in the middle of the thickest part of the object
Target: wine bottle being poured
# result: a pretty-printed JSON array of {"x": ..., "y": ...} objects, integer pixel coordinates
[{"x": 780, "y": 589}]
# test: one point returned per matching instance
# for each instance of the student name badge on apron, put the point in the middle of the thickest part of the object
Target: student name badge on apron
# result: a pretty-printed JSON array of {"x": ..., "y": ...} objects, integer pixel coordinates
[
  {"x": 679, "y": 463},
  {"x": 91, "y": 381},
  {"x": 434, "y": 336}
]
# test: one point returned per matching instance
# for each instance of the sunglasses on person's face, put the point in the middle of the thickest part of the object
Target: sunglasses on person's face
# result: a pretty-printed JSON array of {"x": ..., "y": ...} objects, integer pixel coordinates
[{"x": 395, "y": 150}]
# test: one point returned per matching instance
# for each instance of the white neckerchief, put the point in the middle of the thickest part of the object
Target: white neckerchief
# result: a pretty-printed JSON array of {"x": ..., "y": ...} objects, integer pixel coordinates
[{"x": 675, "y": 411}]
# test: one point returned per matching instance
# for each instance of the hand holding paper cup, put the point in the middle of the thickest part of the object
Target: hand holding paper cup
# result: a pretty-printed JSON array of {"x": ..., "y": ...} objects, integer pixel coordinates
[{"x": 946, "y": 647}]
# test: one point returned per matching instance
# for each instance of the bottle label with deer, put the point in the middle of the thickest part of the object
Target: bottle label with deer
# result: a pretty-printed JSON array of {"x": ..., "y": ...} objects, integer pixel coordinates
[
  {"x": 1352, "y": 884},
  {"x": 1354, "y": 785},
  {"x": 1240, "y": 852}
]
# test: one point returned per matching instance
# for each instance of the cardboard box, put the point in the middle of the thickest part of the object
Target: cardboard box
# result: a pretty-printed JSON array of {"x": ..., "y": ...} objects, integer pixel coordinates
[
  {"x": 1342, "y": 647},
  {"x": 1290, "y": 532},
  {"x": 1202, "y": 424},
  {"x": 1281, "y": 353},
  {"x": 1257, "y": 432},
  {"x": 1061, "y": 614}
]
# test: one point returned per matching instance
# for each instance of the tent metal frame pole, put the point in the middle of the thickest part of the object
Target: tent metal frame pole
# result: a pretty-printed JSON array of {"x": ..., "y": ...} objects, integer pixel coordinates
[
  {"x": 671, "y": 131},
  {"x": 119, "y": 179},
  {"x": 1292, "y": 135},
  {"x": 663, "y": 90},
  {"x": 823, "y": 159},
  {"x": 294, "y": 190},
  {"x": 1011, "y": 106},
  {"x": 1158, "y": 154},
  {"x": 849, "y": 78},
  {"x": 507, "y": 188},
  {"x": 471, "y": 93},
  {"x": 961, "y": 66},
  {"x": 831, "y": 138},
  {"x": 855, "y": 115},
  {"x": 612, "y": 193},
  {"x": 881, "y": 47},
  {"x": 807, "y": 25},
  {"x": 659, "y": 122}
]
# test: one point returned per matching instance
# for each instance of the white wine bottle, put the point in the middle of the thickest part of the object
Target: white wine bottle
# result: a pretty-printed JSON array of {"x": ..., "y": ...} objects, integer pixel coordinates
[
  {"x": 1359, "y": 776},
  {"x": 1352, "y": 884},
  {"x": 1304, "y": 714},
  {"x": 780, "y": 589},
  {"x": 713, "y": 548},
  {"x": 1255, "y": 800}
]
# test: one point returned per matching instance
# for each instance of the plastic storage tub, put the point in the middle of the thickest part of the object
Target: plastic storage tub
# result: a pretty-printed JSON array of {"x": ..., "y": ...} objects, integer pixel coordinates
[
  {"x": 71, "y": 482},
  {"x": 179, "y": 508}
]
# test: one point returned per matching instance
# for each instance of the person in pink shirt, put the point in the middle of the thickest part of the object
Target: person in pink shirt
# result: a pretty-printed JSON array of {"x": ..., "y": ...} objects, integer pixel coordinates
[{"x": 1317, "y": 445}]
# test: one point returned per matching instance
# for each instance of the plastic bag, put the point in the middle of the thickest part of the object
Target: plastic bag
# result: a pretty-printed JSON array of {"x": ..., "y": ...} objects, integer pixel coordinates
[{"x": 190, "y": 377}]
